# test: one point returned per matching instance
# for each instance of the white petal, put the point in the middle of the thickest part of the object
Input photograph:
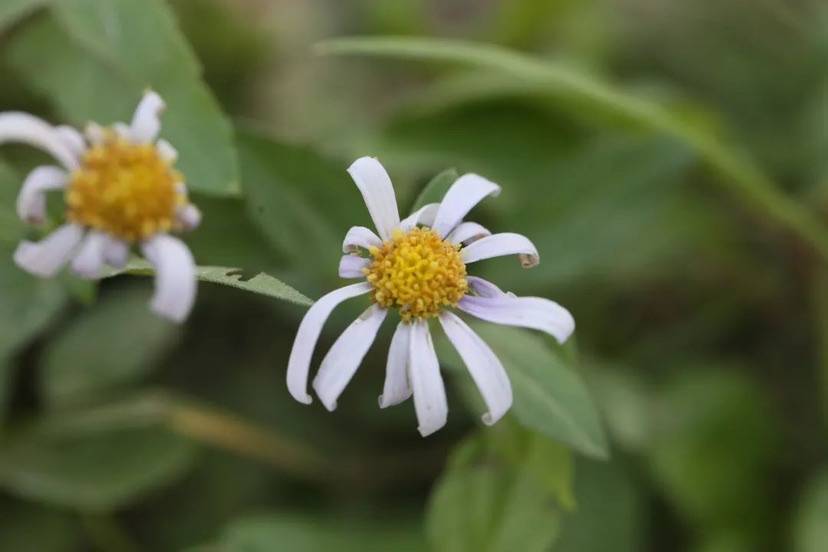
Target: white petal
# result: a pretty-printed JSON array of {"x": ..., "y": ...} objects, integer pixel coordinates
[
  {"x": 28, "y": 129},
  {"x": 167, "y": 152},
  {"x": 526, "y": 312},
  {"x": 424, "y": 215},
  {"x": 116, "y": 252},
  {"x": 189, "y": 216},
  {"x": 483, "y": 365},
  {"x": 498, "y": 245},
  {"x": 308, "y": 334},
  {"x": 360, "y": 237},
  {"x": 175, "y": 276},
  {"x": 31, "y": 201},
  {"x": 467, "y": 232},
  {"x": 73, "y": 139},
  {"x": 123, "y": 130},
  {"x": 485, "y": 288},
  {"x": 397, "y": 388},
  {"x": 346, "y": 354},
  {"x": 426, "y": 382},
  {"x": 90, "y": 257},
  {"x": 351, "y": 266},
  {"x": 146, "y": 122},
  {"x": 375, "y": 186},
  {"x": 463, "y": 195},
  {"x": 95, "y": 133},
  {"x": 46, "y": 257}
]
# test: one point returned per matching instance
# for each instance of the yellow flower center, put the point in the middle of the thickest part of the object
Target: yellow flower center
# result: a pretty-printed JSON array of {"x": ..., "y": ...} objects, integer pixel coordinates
[
  {"x": 126, "y": 190},
  {"x": 418, "y": 273}
]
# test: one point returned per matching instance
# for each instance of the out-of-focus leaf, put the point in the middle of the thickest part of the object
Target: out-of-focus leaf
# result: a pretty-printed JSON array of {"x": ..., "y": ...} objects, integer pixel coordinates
[
  {"x": 549, "y": 396},
  {"x": 24, "y": 526},
  {"x": 13, "y": 10},
  {"x": 305, "y": 533},
  {"x": 117, "y": 342},
  {"x": 436, "y": 189},
  {"x": 737, "y": 171},
  {"x": 811, "y": 523},
  {"x": 118, "y": 49},
  {"x": 261, "y": 283}
]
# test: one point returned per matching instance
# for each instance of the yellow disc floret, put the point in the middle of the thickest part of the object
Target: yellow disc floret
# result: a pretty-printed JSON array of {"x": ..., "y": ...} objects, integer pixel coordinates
[
  {"x": 418, "y": 273},
  {"x": 126, "y": 190}
]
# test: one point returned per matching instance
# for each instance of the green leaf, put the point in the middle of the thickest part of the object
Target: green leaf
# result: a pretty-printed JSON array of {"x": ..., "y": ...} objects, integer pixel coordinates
[
  {"x": 811, "y": 523},
  {"x": 436, "y": 188},
  {"x": 561, "y": 82},
  {"x": 13, "y": 10},
  {"x": 25, "y": 526},
  {"x": 117, "y": 342},
  {"x": 549, "y": 397},
  {"x": 119, "y": 49}
]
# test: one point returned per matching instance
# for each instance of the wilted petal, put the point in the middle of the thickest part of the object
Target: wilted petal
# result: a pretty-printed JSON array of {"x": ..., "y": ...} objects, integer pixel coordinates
[
  {"x": 424, "y": 216},
  {"x": 146, "y": 122},
  {"x": 375, "y": 186},
  {"x": 467, "y": 232},
  {"x": 427, "y": 384},
  {"x": 397, "y": 387},
  {"x": 175, "y": 276},
  {"x": 463, "y": 195},
  {"x": 351, "y": 266},
  {"x": 346, "y": 354},
  {"x": 46, "y": 257},
  {"x": 498, "y": 245},
  {"x": 31, "y": 201},
  {"x": 308, "y": 334},
  {"x": 28, "y": 129},
  {"x": 89, "y": 260},
  {"x": 483, "y": 365},
  {"x": 359, "y": 237}
]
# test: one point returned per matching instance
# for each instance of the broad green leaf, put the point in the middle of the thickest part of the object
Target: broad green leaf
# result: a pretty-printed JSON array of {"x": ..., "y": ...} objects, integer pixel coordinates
[
  {"x": 561, "y": 82},
  {"x": 117, "y": 342},
  {"x": 436, "y": 189},
  {"x": 25, "y": 526},
  {"x": 811, "y": 523},
  {"x": 549, "y": 396},
  {"x": 13, "y": 10},
  {"x": 119, "y": 49}
]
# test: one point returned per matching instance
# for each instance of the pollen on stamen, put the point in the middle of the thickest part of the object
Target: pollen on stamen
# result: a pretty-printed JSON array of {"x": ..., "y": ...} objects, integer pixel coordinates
[
  {"x": 126, "y": 190},
  {"x": 418, "y": 273}
]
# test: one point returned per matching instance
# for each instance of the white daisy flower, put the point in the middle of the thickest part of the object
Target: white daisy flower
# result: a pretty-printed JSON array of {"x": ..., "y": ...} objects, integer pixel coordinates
[
  {"x": 120, "y": 190},
  {"x": 417, "y": 266}
]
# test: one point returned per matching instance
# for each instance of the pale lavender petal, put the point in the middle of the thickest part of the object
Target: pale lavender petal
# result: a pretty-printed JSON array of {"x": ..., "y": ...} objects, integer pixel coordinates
[
  {"x": 116, "y": 252},
  {"x": 167, "y": 152},
  {"x": 189, "y": 216},
  {"x": 485, "y": 288},
  {"x": 73, "y": 139},
  {"x": 498, "y": 245},
  {"x": 175, "y": 276},
  {"x": 375, "y": 186},
  {"x": 123, "y": 130},
  {"x": 397, "y": 387},
  {"x": 467, "y": 232},
  {"x": 463, "y": 195},
  {"x": 346, "y": 354},
  {"x": 359, "y": 237},
  {"x": 426, "y": 382},
  {"x": 483, "y": 365},
  {"x": 46, "y": 257},
  {"x": 28, "y": 129},
  {"x": 146, "y": 122},
  {"x": 95, "y": 133},
  {"x": 352, "y": 266},
  {"x": 308, "y": 334},
  {"x": 31, "y": 201},
  {"x": 424, "y": 216},
  {"x": 89, "y": 260}
]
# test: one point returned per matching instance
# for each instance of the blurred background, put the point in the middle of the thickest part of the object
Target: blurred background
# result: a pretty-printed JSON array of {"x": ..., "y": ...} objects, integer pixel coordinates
[{"x": 668, "y": 158}]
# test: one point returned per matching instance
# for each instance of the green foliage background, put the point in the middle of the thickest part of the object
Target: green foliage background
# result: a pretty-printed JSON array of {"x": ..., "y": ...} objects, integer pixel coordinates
[{"x": 669, "y": 159}]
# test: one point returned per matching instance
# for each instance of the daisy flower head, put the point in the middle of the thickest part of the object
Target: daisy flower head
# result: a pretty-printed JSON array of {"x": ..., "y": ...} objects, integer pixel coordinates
[
  {"x": 120, "y": 190},
  {"x": 418, "y": 267}
]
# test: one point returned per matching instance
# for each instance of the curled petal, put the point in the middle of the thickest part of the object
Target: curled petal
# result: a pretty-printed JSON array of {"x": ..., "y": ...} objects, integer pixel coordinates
[
  {"x": 46, "y": 257},
  {"x": 189, "y": 216},
  {"x": 467, "y": 232},
  {"x": 116, "y": 252},
  {"x": 308, "y": 334},
  {"x": 526, "y": 312},
  {"x": 28, "y": 129},
  {"x": 90, "y": 257},
  {"x": 167, "y": 152},
  {"x": 463, "y": 195},
  {"x": 346, "y": 354},
  {"x": 359, "y": 237},
  {"x": 146, "y": 122},
  {"x": 73, "y": 139},
  {"x": 351, "y": 266},
  {"x": 426, "y": 382},
  {"x": 397, "y": 387},
  {"x": 483, "y": 365},
  {"x": 31, "y": 201},
  {"x": 375, "y": 186},
  {"x": 424, "y": 215},
  {"x": 498, "y": 245},
  {"x": 175, "y": 276}
]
